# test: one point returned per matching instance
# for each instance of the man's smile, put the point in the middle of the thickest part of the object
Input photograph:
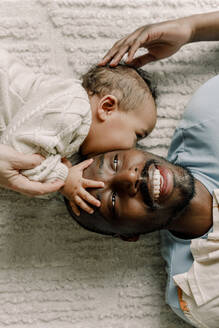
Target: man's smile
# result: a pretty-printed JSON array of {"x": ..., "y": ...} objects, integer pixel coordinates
[
  {"x": 159, "y": 184},
  {"x": 166, "y": 182}
]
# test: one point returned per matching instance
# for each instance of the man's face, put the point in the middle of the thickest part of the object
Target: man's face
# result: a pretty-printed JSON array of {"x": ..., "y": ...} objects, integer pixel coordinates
[{"x": 142, "y": 191}]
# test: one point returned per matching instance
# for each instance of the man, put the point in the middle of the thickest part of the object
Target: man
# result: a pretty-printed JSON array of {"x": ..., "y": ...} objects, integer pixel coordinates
[{"x": 143, "y": 193}]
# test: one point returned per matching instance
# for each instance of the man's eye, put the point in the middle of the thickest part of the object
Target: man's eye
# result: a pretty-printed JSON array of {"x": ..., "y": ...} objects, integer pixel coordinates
[
  {"x": 113, "y": 201},
  {"x": 115, "y": 162}
]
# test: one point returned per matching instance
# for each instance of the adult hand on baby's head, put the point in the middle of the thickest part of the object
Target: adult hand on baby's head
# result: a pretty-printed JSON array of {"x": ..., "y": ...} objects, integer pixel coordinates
[
  {"x": 75, "y": 187},
  {"x": 161, "y": 40},
  {"x": 11, "y": 162}
]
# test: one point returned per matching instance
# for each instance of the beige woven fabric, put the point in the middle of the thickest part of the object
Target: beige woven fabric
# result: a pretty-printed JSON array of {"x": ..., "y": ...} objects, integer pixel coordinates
[{"x": 54, "y": 274}]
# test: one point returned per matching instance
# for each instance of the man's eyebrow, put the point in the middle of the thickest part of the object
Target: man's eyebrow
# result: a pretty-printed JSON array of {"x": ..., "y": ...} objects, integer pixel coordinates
[
  {"x": 100, "y": 172},
  {"x": 99, "y": 196}
]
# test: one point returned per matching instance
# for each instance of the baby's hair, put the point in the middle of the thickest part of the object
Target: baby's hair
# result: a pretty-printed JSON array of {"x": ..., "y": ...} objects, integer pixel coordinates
[
  {"x": 149, "y": 80},
  {"x": 131, "y": 86}
]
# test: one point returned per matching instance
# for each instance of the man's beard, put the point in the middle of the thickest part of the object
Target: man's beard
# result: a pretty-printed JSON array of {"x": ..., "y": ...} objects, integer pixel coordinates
[{"x": 185, "y": 183}]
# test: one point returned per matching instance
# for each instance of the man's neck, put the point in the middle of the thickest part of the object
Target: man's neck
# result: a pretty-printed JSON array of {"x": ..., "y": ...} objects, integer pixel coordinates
[{"x": 196, "y": 220}]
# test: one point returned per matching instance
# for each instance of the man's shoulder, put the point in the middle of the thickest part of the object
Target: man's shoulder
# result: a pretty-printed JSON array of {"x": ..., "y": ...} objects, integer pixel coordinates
[
  {"x": 203, "y": 105},
  {"x": 194, "y": 143}
]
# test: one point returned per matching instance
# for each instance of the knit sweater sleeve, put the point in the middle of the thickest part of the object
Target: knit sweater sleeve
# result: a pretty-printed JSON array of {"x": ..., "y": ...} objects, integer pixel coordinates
[
  {"x": 17, "y": 81},
  {"x": 59, "y": 135},
  {"x": 52, "y": 118}
]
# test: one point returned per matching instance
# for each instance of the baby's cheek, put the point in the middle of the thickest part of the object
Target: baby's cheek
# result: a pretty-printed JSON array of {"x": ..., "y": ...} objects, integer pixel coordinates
[{"x": 124, "y": 142}]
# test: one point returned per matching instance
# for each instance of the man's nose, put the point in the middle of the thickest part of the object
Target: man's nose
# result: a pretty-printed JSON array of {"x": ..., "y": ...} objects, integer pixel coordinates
[{"x": 126, "y": 181}]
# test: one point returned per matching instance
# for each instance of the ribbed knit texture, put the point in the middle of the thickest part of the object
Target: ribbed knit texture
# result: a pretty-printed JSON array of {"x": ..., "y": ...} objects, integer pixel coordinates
[
  {"x": 42, "y": 114},
  {"x": 53, "y": 273}
]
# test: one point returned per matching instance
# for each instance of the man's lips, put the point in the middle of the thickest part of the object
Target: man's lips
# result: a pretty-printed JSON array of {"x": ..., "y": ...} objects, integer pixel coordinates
[
  {"x": 167, "y": 184},
  {"x": 159, "y": 191}
]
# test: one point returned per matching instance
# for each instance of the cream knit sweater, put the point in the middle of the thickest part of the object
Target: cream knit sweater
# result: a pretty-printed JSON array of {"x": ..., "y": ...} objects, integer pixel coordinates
[{"x": 42, "y": 114}]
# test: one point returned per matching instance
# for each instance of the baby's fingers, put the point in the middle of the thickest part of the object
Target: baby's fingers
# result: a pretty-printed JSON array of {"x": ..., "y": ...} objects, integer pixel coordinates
[
  {"x": 83, "y": 205},
  {"x": 83, "y": 165},
  {"x": 87, "y": 183},
  {"x": 85, "y": 195},
  {"x": 74, "y": 208}
]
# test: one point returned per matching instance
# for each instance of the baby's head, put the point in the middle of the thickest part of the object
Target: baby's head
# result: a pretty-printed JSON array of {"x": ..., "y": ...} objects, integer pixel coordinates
[{"x": 123, "y": 108}]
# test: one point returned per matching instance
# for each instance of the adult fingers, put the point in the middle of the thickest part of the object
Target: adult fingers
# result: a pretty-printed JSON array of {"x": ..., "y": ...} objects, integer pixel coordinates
[
  {"x": 118, "y": 46},
  {"x": 118, "y": 56},
  {"x": 25, "y": 161},
  {"x": 33, "y": 188},
  {"x": 110, "y": 53},
  {"x": 136, "y": 45},
  {"x": 143, "y": 60},
  {"x": 84, "y": 206}
]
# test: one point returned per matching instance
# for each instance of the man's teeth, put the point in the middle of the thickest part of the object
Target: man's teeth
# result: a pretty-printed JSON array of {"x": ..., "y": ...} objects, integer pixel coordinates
[{"x": 156, "y": 184}]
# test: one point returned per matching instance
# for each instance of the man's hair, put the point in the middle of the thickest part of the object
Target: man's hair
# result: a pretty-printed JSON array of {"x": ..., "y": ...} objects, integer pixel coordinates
[
  {"x": 131, "y": 86},
  {"x": 90, "y": 227}
]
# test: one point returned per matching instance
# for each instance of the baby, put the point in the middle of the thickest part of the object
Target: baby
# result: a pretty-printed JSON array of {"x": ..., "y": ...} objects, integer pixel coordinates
[{"x": 110, "y": 109}]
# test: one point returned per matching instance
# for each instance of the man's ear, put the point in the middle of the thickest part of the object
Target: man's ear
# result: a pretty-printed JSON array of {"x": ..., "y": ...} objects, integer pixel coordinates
[
  {"x": 130, "y": 238},
  {"x": 107, "y": 105}
]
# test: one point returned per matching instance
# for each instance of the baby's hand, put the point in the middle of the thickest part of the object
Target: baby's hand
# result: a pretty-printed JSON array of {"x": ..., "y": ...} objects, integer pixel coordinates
[{"x": 75, "y": 188}]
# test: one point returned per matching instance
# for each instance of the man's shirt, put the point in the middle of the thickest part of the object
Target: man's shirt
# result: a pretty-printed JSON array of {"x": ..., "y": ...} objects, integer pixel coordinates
[{"x": 195, "y": 145}]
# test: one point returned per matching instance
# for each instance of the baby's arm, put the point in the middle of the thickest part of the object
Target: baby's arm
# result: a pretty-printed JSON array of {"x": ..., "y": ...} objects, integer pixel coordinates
[
  {"x": 53, "y": 121},
  {"x": 75, "y": 188}
]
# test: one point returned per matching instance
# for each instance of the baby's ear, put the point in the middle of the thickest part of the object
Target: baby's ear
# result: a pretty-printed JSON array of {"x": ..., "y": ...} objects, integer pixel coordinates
[
  {"x": 107, "y": 105},
  {"x": 130, "y": 238}
]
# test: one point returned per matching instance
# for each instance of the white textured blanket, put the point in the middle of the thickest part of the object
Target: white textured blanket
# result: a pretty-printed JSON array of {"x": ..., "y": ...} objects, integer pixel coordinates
[{"x": 52, "y": 272}]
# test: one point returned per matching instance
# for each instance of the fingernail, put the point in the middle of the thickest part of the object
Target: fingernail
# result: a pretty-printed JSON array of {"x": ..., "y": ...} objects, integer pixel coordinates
[
  {"x": 91, "y": 211},
  {"x": 98, "y": 203}
]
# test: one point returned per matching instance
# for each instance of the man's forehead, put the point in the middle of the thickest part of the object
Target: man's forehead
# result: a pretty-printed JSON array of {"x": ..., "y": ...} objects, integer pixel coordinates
[
  {"x": 101, "y": 163},
  {"x": 93, "y": 222}
]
